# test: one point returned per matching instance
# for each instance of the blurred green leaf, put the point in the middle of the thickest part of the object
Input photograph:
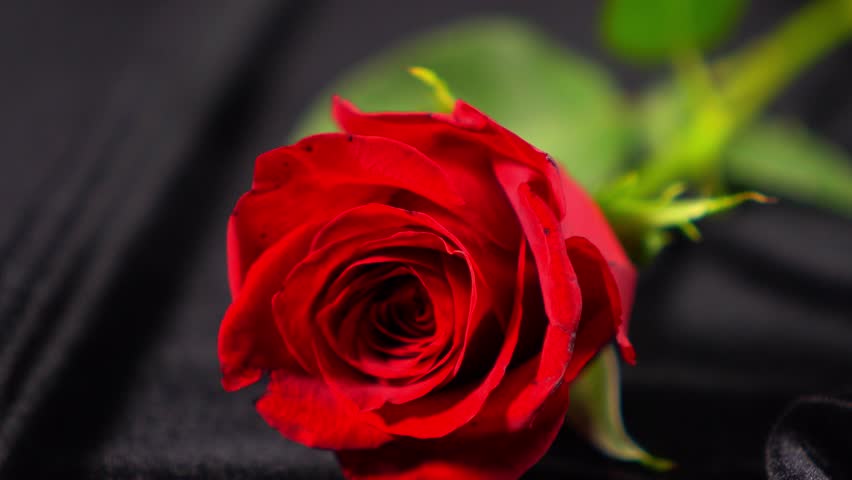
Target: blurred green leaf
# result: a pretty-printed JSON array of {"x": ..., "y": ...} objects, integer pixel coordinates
[
  {"x": 596, "y": 412},
  {"x": 648, "y": 31},
  {"x": 559, "y": 102},
  {"x": 783, "y": 159}
]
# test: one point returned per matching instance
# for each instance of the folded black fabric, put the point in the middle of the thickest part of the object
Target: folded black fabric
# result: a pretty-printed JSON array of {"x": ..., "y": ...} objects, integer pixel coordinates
[
  {"x": 107, "y": 108},
  {"x": 812, "y": 440},
  {"x": 129, "y": 131}
]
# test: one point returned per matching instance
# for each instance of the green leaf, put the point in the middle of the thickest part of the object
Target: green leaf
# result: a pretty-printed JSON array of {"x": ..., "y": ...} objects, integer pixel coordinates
[
  {"x": 649, "y": 31},
  {"x": 596, "y": 412},
  {"x": 559, "y": 102},
  {"x": 786, "y": 160}
]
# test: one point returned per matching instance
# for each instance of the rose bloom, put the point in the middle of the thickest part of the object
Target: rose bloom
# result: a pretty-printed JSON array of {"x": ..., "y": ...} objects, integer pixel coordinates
[{"x": 422, "y": 289}]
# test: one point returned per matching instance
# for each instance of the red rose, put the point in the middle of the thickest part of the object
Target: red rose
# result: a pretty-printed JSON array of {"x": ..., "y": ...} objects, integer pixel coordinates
[{"x": 422, "y": 290}]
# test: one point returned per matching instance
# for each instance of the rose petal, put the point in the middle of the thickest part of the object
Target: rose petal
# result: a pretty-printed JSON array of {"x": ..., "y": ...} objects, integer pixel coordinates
[
  {"x": 262, "y": 218},
  {"x": 587, "y": 221},
  {"x": 448, "y": 140},
  {"x": 600, "y": 319},
  {"x": 500, "y": 455},
  {"x": 328, "y": 173},
  {"x": 304, "y": 410},
  {"x": 249, "y": 341},
  {"x": 602, "y": 305},
  {"x": 559, "y": 288},
  {"x": 434, "y": 133}
]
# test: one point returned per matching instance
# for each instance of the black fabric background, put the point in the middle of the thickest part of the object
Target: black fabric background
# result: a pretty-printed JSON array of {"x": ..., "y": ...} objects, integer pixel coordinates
[{"x": 128, "y": 130}]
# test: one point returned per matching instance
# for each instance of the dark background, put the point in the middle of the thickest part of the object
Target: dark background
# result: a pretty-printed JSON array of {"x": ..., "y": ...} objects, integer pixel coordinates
[{"x": 127, "y": 132}]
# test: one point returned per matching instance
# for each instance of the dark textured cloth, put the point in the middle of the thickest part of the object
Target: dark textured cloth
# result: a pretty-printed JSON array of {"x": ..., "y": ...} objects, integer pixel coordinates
[
  {"x": 813, "y": 440},
  {"x": 128, "y": 131}
]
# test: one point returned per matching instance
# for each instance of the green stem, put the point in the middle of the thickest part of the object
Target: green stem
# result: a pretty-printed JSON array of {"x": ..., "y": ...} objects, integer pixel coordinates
[
  {"x": 749, "y": 81},
  {"x": 769, "y": 65}
]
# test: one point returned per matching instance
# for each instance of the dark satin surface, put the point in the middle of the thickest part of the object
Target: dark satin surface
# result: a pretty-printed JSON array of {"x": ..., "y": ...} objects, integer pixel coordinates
[{"x": 128, "y": 131}]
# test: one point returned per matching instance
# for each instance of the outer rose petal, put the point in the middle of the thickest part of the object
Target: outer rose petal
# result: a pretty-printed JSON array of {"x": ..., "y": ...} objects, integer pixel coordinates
[
  {"x": 603, "y": 307},
  {"x": 587, "y": 221},
  {"x": 249, "y": 341},
  {"x": 304, "y": 410},
  {"x": 600, "y": 319},
  {"x": 328, "y": 173},
  {"x": 502, "y": 455},
  {"x": 560, "y": 291},
  {"x": 446, "y": 139},
  {"x": 262, "y": 218},
  {"x": 466, "y": 129}
]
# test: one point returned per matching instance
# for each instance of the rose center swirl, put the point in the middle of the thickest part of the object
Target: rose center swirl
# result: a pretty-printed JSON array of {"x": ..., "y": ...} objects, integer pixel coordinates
[
  {"x": 400, "y": 318},
  {"x": 382, "y": 322}
]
